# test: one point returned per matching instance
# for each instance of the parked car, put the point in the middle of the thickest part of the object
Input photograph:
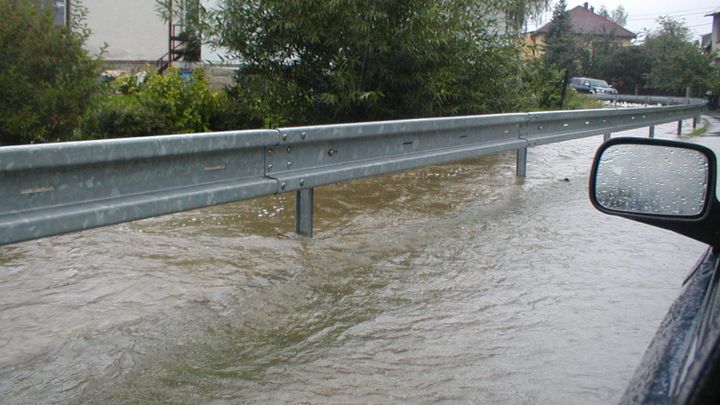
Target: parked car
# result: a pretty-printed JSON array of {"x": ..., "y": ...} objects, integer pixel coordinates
[
  {"x": 591, "y": 86},
  {"x": 671, "y": 185}
]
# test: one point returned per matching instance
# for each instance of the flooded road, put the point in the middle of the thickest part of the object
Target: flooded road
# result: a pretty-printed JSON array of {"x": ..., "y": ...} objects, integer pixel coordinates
[{"x": 451, "y": 284}]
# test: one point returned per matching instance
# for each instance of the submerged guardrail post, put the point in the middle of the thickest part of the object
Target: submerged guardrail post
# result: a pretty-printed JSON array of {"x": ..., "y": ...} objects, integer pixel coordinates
[
  {"x": 521, "y": 168},
  {"x": 652, "y": 132},
  {"x": 606, "y": 136},
  {"x": 304, "y": 212}
]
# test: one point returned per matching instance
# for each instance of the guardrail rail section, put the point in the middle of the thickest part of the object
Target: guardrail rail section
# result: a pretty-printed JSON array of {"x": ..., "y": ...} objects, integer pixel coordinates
[{"x": 52, "y": 189}]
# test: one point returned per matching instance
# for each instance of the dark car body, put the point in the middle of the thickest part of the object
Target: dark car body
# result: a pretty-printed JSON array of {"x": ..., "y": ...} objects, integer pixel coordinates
[
  {"x": 591, "y": 86},
  {"x": 682, "y": 363}
]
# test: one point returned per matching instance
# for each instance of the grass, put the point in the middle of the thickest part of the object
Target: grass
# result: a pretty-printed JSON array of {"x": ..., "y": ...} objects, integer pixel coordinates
[
  {"x": 700, "y": 130},
  {"x": 576, "y": 101}
]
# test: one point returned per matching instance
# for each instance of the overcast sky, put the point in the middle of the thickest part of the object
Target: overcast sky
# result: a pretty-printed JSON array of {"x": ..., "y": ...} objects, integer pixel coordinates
[{"x": 643, "y": 13}]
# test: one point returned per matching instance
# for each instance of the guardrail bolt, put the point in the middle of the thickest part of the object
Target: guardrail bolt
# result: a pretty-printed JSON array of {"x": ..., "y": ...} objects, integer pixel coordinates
[
  {"x": 270, "y": 167},
  {"x": 302, "y": 182},
  {"x": 289, "y": 164},
  {"x": 331, "y": 152},
  {"x": 270, "y": 152},
  {"x": 284, "y": 137},
  {"x": 303, "y": 135},
  {"x": 289, "y": 149},
  {"x": 283, "y": 186}
]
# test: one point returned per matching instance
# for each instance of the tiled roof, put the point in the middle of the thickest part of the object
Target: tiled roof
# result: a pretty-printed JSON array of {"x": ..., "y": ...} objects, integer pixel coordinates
[{"x": 585, "y": 21}]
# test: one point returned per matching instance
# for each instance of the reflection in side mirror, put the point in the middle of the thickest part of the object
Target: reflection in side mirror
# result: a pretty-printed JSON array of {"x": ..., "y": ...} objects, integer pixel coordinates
[{"x": 652, "y": 179}]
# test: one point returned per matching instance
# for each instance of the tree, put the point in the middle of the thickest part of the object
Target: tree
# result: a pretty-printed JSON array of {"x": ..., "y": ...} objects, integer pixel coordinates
[
  {"x": 46, "y": 76},
  {"x": 310, "y": 61},
  {"x": 601, "y": 61},
  {"x": 619, "y": 15},
  {"x": 561, "y": 50},
  {"x": 517, "y": 12},
  {"x": 676, "y": 61},
  {"x": 628, "y": 68}
]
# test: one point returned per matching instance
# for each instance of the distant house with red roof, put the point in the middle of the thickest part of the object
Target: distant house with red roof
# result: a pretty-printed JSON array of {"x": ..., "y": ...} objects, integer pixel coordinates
[{"x": 586, "y": 25}]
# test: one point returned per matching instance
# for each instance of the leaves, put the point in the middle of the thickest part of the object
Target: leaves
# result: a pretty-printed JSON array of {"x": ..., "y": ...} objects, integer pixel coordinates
[
  {"x": 561, "y": 49},
  {"x": 313, "y": 61},
  {"x": 47, "y": 79},
  {"x": 676, "y": 62}
]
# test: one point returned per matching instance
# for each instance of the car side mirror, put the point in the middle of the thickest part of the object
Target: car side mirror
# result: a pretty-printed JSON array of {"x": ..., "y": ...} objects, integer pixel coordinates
[{"x": 667, "y": 184}]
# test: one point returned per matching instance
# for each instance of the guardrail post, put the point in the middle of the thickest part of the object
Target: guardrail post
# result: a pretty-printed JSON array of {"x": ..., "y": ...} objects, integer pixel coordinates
[
  {"x": 606, "y": 137},
  {"x": 521, "y": 168},
  {"x": 679, "y": 131},
  {"x": 304, "y": 212},
  {"x": 695, "y": 121},
  {"x": 652, "y": 131}
]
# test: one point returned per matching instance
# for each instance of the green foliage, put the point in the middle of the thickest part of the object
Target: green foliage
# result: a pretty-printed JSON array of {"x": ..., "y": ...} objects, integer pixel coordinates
[
  {"x": 46, "y": 77},
  {"x": 165, "y": 104},
  {"x": 619, "y": 15},
  {"x": 677, "y": 62},
  {"x": 578, "y": 101},
  {"x": 542, "y": 86},
  {"x": 311, "y": 61},
  {"x": 628, "y": 68},
  {"x": 517, "y": 12},
  {"x": 666, "y": 63},
  {"x": 602, "y": 62},
  {"x": 184, "y": 104},
  {"x": 117, "y": 116},
  {"x": 561, "y": 49}
]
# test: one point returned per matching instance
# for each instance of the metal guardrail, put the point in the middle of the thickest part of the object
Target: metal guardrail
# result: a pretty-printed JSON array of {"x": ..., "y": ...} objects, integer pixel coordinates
[{"x": 52, "y": 189}]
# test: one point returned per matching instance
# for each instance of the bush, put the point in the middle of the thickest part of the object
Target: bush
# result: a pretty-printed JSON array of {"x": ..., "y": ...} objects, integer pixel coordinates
[
  {"x": 310, "y": 62},
  {"x": 46, "y": 76},
  {"x": 542, "y": 86},
  {"x": 118, "y": 116},
  {"x": 164, "y": 104},
  {"x": 183, "y": 105}
]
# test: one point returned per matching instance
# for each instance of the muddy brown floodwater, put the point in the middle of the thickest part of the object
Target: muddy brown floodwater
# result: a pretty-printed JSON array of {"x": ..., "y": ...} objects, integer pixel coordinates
[{"x": 450, "y": 284}]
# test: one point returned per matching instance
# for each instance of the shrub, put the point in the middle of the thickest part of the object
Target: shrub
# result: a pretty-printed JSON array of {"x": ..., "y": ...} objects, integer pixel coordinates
[
  {"x": 183, "y": 104},
  {"x": 118, "y": 116},
  {"x": 164, "y": 104},
  {"x": 542, "y": 86},
  {"x": 310, "y": 62},
  {"x": 46, "y": 76}
]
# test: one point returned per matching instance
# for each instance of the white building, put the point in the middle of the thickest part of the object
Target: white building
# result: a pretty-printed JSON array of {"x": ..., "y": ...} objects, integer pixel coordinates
[
  {"x": 131, "y": 33},
  {"x": 713, "y": 42}
]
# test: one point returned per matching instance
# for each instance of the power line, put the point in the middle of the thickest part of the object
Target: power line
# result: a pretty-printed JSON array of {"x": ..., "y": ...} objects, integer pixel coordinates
[
  {"x": 690, "y": 10},
  {"x": 668, "y": 15}
]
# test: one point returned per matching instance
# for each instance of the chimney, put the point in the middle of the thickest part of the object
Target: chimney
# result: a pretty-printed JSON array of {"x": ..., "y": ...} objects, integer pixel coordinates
[
  {"x": 592, "y": 9},
  {"x": 585, "y": 5}
]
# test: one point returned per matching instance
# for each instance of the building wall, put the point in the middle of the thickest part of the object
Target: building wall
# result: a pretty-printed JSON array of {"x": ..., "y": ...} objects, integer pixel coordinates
[
  {"x": 716, "y": 33},
  {"x": 131, "y": 28},
  {"x": 535, "y": 44},
  {"x": 133, "y": 31}
]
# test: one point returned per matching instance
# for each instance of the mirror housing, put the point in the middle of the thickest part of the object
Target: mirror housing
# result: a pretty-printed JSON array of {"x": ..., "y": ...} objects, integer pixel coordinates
[{"x": 668, "y": 184}]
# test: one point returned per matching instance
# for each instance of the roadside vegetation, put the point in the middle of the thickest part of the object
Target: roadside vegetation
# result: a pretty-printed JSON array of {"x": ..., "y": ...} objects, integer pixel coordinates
[
  {"x": 307, "y": 62},
  {"x": 47, "y": 79},
  {"x": 664, "y": 61}
]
